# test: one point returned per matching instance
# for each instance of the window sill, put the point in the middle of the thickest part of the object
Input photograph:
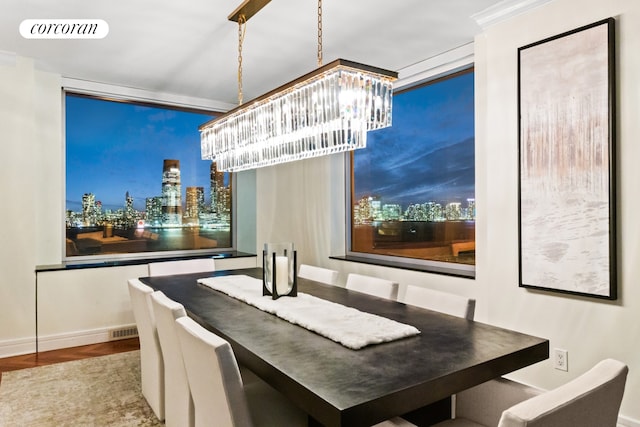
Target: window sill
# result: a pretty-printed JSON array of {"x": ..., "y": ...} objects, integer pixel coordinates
[
  {"x": 71, "y": 265},
  {"x": 448, "y": 271}
]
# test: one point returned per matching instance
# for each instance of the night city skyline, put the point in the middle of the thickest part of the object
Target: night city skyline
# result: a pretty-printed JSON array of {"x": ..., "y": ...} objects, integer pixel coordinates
[
  {"x": 124, "y": 148},
  {"x": 428, "y": 153},
  {"x": 176, "y": 206}
]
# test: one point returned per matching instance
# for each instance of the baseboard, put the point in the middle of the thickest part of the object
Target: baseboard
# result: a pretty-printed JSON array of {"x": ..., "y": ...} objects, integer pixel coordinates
[
  {"x": 75, "y": 339},
  {"x": 17, "y": 347}
]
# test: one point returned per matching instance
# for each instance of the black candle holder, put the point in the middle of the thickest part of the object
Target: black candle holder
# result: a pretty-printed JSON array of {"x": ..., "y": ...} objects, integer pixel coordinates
[{"x": 279, "y": 274}]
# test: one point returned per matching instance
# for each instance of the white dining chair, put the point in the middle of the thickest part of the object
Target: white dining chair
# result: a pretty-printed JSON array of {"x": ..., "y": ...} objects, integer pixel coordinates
[
  {"x": 319, "y": 274},
  {"x": 444, "y": 302},
  {"x": 591, "y": 400},
  {"x": 151, "y": 362},
  {"x": 178, "y": 404},
  {"x": 373, "y": 286},
  {"x": 220, "y": 397},
  {"x": 184, "y": 266}
]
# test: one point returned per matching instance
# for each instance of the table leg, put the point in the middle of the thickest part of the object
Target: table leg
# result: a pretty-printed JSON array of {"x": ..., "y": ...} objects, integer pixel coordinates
[
  {"x": 423, "y": 417},
  {"x": 430, "y": 414}
]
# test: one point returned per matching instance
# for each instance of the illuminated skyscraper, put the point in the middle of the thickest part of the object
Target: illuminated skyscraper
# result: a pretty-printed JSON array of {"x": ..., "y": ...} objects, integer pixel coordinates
[
  {"x": 471, "y": 209},
  {"x": 391, "y": 212},
  {"x": 129, "y": 212},
  {"x": 171, "y": 193},
  {"x": 434, "y": 211},
  {"x": 88, "y": 209},
  {"x": 153, "y": 209},
  {"x": 364, "y": 211},
  {"x": 194, "y": 204},
  {"x": 220, "y": 194},
  {"x": 217, "y": 184},
  {"x": 453, "y": 211},
  {"x": 376, "y": 207}
]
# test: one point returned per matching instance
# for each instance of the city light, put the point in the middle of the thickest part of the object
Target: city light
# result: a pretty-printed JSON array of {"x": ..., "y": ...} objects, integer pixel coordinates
[
  {"x": 93, "y": 229},
  {"x": 369, "y": 209}
]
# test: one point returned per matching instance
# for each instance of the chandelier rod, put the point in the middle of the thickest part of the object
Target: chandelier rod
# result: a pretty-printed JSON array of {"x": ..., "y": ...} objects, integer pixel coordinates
[
  {"x": 248, "y": 8},
  {"x": 319, "y": 33},
  {"x": 242, "y": 26}
]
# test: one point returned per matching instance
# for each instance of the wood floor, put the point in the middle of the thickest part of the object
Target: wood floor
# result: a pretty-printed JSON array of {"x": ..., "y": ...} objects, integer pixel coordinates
[{"x": 68, "y": 354}]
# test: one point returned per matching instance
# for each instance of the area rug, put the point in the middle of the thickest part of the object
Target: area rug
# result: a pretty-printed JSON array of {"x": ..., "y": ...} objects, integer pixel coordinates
[{"x": 99, "y": 391}]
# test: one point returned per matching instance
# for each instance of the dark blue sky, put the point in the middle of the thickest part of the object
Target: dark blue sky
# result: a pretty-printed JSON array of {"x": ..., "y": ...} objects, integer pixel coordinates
[
  {"x": 428, "y": 153},
  {"x": 115, "y": 147}
]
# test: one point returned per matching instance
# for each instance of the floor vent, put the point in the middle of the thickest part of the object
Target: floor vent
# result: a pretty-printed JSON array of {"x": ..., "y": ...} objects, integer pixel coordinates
[{"x": 122, "y": 333}]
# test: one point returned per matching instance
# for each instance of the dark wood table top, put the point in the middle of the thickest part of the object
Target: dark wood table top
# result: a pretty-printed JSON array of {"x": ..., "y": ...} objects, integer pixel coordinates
[{"x": 342, "y": 387}]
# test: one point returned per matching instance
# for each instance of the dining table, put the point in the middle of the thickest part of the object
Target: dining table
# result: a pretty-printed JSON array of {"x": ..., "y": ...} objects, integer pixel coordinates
[{"x": 413, "y": 376}]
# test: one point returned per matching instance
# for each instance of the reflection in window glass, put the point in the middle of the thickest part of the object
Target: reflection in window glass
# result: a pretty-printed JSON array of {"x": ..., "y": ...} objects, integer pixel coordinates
[
  {"x": 413, "y": 187},
  {"x": 135, "y": 182}
]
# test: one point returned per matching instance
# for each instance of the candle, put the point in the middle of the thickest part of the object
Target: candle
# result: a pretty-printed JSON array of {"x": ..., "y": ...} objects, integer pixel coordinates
[{"x": 282, "y": 275}]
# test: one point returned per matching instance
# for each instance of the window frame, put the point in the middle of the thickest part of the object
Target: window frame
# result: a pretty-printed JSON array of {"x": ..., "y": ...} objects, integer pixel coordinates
[
  {"x": 112, "y": 94},
  {"x": 431, "y": 266}
]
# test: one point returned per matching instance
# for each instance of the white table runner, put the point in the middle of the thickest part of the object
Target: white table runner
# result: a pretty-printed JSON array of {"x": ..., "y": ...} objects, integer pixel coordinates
[{"x": 352, "y": 328}]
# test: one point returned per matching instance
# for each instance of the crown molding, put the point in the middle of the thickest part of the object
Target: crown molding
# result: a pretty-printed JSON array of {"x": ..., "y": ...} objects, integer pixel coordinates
[
  {"x": 106, "y": 90},
  {"x": 445, "y": 63},
  {"x": 504, "y": 10}
]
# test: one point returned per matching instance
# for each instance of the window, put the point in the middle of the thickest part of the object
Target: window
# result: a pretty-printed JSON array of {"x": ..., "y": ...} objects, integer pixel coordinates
[
  {"x": 413, "y": 187},
  {"x": 135, "y": 182}
]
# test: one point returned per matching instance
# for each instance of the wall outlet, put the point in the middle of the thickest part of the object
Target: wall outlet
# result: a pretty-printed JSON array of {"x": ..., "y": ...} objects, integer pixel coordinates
[{"x": 560, "y": 359}]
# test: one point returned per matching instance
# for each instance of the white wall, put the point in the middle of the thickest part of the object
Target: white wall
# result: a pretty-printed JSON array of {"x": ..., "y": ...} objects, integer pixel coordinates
[
  {"x": 30, "y": 126},
  {"x": 303, "y": 202},
  {"x": 79, "y": 306},
  {"x": 589, "y": 329}
]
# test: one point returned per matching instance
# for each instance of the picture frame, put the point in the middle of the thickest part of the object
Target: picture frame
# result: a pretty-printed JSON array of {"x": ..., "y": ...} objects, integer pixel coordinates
[{"x": 567, "y": 192}]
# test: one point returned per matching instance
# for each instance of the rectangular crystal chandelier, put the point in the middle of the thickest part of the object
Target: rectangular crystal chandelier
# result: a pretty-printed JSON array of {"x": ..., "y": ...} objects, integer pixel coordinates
[{"x": 326, "y": 111}]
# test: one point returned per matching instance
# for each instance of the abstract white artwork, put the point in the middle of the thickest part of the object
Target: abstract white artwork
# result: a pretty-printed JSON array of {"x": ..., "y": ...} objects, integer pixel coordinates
[{"x": 567, "y": 162}]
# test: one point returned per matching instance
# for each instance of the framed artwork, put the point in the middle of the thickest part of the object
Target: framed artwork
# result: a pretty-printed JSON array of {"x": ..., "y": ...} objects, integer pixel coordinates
[{"x": 566, "y": 94}]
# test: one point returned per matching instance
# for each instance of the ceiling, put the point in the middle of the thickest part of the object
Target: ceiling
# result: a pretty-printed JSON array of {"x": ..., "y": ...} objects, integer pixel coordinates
[{"x": 189, "y": 48}]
